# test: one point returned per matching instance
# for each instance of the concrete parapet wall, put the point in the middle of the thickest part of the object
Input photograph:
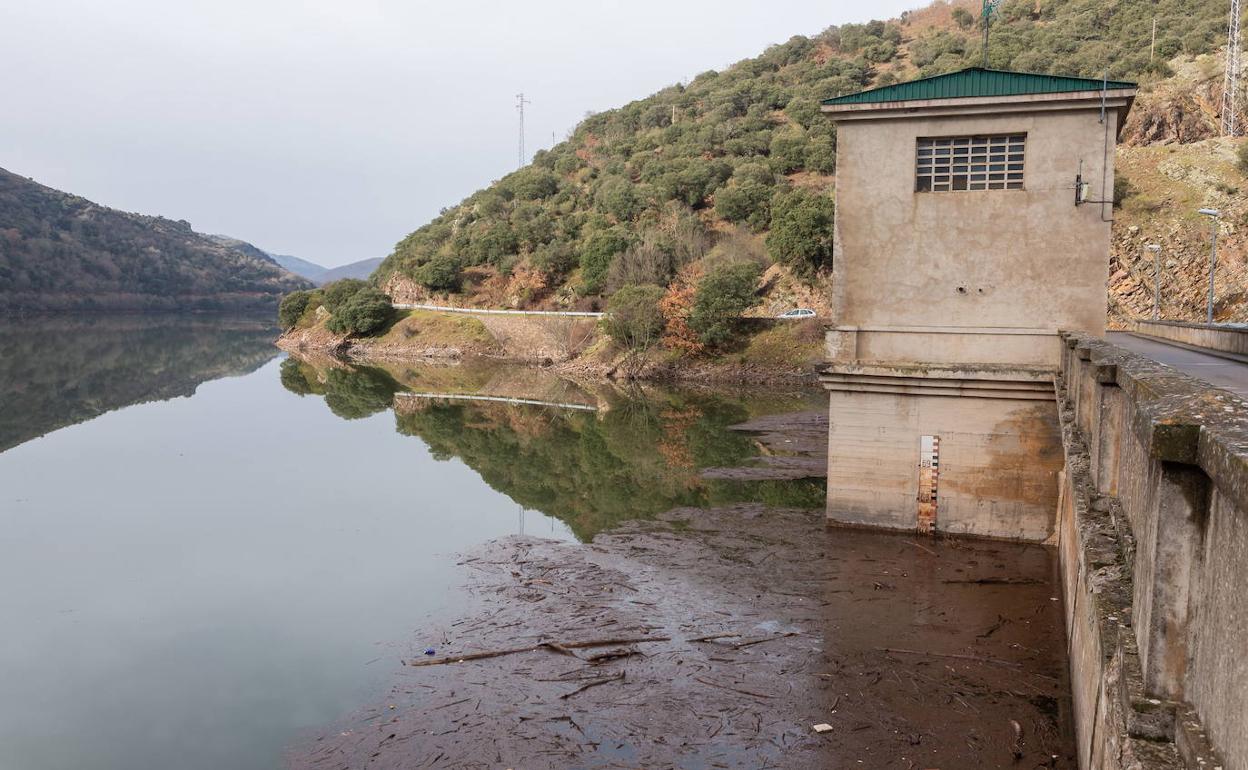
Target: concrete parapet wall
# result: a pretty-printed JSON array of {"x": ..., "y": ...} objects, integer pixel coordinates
[
  {"x": 1153, "y": 533},
  {"x": 1232, "y": 340}
]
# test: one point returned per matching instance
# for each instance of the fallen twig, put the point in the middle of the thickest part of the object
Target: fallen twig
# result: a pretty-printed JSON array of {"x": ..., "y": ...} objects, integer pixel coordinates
[
  {"x": 532, "y": 648},
  {"x": 594, "y": 683},
  {"x": 976, "y": 658},
  {"x": 733, "y": 689},
  {"x": 998, "y": 581},
  {"x": 610, "y": 655},
  {"x": 921, "y": 547},
  {"x": 750, "y": 642},
  {"x": 713, "y": 637}
]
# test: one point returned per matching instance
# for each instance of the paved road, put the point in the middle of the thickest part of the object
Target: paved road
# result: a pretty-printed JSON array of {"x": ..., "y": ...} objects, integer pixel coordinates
[{"x": 1219, "y": 372}]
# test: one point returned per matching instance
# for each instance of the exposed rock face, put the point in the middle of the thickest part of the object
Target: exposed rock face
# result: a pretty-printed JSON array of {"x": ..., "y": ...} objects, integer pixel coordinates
[
  {"x": 1169, "y": 184},
  {"x": 1180, "y": 118}
]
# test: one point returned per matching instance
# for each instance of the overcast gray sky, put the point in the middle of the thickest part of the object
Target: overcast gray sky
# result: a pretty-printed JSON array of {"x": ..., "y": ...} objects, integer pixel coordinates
[{"x": 329, "y": 130}]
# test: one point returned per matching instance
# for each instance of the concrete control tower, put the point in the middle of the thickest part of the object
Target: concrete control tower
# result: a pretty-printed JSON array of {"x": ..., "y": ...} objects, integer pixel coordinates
[{"x": 973, "y": 223}]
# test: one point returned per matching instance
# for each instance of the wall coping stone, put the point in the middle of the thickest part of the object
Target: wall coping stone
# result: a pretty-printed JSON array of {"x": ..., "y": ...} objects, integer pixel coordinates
[{"x": 1179, "y": 418}]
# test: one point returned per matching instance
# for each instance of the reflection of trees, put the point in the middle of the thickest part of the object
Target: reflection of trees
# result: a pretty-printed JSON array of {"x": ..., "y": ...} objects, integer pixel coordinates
[
  {"x": 350, "y": 392},
  {"x": 595, "y": 471},
  {"x": 641, "y": 457},
  {"x": 58, "y": 372}
]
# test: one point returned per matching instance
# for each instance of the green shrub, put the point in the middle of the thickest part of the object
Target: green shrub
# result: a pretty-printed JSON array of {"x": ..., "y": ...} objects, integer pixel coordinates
[
  {"x": 749, "y": 202},
  {"x": 442, "y": 273},
  {"x": 334, "y": 295},
  {"x": 554, "y": 259},
  {"x": 596, "y": 255},
  {"x": 292, "y": 308},
  {"x": 821, "y": 155},
  {"x": 532, "y": 183},
  {"x": 963, "y": 18},
  {"x": 617, "y": 196},
  {"x": 804, "y": 111},
  {"x": 788, "y": 150},
  {"x": 365, "y": 312},
  {"x": 722, "y": 296},
  {"x": 1169, "y": 47},
  {"x": 494, "y": 243},
  {"x": 633, "y": 316},
  {"x": 1241, "y": 158},
  {"x": 568, "y": 164},
  {"x": 801, "y": 231}
]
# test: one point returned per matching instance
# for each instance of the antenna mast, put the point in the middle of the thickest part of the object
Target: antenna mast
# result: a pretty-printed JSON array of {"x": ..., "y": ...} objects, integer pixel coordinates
[
  {"x": 520, "y": 102},
  {"x": 990, "y": 9},
  {"x": 1230, "y": 86}
]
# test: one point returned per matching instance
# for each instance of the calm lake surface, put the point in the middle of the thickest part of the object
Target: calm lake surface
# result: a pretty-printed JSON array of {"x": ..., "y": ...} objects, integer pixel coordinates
[{"x": 209, "y": 550}]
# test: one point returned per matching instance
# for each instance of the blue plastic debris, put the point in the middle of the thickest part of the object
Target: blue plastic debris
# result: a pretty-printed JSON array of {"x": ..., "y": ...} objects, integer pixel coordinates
[{"x": 430, "y": 651}]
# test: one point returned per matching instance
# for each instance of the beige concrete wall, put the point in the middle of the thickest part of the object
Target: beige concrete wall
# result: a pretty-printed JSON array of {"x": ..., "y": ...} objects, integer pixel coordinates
[
  {"x": 999, "y": 459},
  {"x": 953, "y": 346},
  {"x": 1027, "y": 259},
  {"x": 1154, "y": 517}
]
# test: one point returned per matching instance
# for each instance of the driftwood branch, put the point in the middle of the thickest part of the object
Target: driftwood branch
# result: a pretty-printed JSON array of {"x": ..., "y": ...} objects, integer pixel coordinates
[
  {"x": 562, "y": 647},
  {"x": 733, "y": 689},
  {"x": 595, "y": 683},
  {"x": 976, "y": 658}
]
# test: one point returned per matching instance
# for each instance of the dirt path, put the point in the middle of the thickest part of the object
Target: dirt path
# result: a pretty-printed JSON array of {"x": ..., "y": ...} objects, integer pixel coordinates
[{"x": 917, "y": 653}]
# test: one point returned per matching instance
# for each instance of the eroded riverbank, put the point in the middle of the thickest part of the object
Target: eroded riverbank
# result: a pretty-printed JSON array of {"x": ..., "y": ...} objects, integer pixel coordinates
[
  {"x": 758, "y": 623},
  {"x": 768, "y": 352}
]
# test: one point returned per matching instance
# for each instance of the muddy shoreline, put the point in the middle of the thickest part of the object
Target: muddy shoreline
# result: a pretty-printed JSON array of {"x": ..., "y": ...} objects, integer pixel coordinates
[
  {"x": 691, "y": 371},
  {"x": 892, "y": 642},
  {"x": 718, "y": 638}
]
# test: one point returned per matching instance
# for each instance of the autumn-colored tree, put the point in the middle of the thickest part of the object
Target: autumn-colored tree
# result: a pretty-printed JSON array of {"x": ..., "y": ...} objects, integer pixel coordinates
[{"x": 677, "y": 306}]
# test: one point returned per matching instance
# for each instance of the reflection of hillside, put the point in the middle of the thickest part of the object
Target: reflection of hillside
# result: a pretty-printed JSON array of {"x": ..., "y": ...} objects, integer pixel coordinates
[
  {"x": 637, "y": 456},
  {"x": 57, "y": 371}
]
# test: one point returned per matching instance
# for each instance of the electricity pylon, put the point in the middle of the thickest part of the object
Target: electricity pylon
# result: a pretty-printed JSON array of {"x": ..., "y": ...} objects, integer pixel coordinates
[
  {"x": 520, "y": 102},
  {"x": 1230, "y": 86}
]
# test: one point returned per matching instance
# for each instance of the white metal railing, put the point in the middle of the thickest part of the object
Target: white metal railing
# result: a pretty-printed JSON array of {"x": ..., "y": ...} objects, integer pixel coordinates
[
  {"x": 480, "y": 311},
  {"x": 498, "y": 399}
]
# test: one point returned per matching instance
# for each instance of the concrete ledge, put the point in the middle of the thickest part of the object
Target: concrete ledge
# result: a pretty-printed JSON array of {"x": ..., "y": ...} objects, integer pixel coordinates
[
  {"x": 983, "y": 372},
  {"x": 1008, "y": 382}
]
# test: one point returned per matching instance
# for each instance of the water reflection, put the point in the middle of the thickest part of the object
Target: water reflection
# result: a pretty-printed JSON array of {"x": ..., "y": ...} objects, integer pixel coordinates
[
  {"x": 58, "y": 371},
  {"x": 608, "y": 455}
]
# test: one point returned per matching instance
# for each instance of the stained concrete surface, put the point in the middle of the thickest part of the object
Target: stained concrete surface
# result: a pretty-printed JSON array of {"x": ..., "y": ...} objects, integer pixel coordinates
[{"x": 1220, "y": 372}]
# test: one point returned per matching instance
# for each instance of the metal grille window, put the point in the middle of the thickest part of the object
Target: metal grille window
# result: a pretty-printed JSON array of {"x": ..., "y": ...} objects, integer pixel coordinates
[{"x": 970, "y": 163}]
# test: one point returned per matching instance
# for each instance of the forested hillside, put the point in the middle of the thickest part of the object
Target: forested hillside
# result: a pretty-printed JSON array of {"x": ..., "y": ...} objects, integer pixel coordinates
[
  {"x": 739, "y": 165},
  {"x": 62, "y": 252}
]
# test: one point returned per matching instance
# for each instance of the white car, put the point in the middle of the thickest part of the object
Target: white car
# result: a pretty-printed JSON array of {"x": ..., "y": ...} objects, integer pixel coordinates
[{"x": 797, "y": 313}]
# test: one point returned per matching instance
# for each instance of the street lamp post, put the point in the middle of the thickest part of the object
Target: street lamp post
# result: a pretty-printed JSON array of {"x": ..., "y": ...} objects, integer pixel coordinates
[
  {"x": 1156, "y": 249},
  {"x": 1213, "y": 214}
]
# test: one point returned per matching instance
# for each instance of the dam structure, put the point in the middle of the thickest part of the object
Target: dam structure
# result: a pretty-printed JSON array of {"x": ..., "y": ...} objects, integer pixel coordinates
[{"x": 973, "y": 392}]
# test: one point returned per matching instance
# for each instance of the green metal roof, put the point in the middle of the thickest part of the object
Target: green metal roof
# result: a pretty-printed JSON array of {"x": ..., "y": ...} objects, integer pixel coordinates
[{"x": 976, "y": 81}]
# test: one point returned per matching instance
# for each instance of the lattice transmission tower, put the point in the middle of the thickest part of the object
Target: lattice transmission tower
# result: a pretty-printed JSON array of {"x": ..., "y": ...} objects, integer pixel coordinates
[
  {"x": 520, "y": 102},
  {"x": 1230, "y": 86}
]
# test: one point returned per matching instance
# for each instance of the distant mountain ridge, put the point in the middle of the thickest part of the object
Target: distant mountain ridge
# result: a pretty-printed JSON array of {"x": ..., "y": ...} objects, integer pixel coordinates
[
  {"x": 60, "y": 252},
  {"x": 317, "y": 274},
  {"x": 362, "y": 270}
]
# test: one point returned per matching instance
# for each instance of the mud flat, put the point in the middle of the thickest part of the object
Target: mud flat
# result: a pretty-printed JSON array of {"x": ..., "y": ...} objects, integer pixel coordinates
[{"x": 719, "y": 638}]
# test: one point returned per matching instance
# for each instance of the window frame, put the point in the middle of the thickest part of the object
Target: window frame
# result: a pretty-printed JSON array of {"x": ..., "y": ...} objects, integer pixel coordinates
[{"x": 989, "y": 163}]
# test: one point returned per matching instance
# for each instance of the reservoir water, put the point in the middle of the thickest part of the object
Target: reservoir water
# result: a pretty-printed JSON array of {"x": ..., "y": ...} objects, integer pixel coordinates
[{"x": 208, "y": 550}]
